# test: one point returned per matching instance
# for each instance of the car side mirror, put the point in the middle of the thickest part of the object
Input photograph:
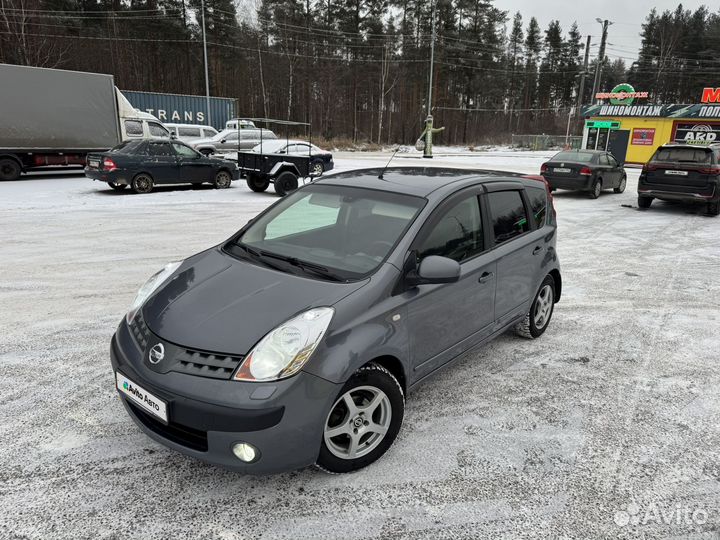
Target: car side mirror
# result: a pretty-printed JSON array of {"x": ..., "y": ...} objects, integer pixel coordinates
[{"x": 434, "y": 269}]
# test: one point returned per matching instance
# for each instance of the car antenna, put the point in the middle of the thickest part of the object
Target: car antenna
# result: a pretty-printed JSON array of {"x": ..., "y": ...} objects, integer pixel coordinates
[{"x": 380, "y": 176}]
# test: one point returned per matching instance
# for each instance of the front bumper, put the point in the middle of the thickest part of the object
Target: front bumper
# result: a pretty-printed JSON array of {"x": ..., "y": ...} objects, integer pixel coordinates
[
  {"x": 206, "y": 417},
  {"x": 584, "y": 183}
]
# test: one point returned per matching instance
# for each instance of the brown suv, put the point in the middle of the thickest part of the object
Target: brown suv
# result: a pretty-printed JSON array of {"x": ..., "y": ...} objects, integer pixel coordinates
[{"x": 682, "y": 172}]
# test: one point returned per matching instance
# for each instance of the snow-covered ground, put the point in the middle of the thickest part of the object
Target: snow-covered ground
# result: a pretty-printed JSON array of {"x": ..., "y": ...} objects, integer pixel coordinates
[{"x": 607, "y": 426}]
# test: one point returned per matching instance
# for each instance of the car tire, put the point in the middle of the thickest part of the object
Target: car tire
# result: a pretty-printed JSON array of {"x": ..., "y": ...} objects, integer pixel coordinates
[
  {"x": 142, "y": 183},
  {"x": 644, "y": 202},
  {"x": 285, "y": 183},
  {"x": 257, "y": 183},
  {"x": 9, "y": 169},
  {"x": 317, "y": 167},
  {"x": 117, "y": 187},
  {"x": 363, "y": 422},
  {"x": 223, "y": 180},
  {"x": 713, "y": 208},
  {"x": 538, "y": 318},
  {"x": 621, "y": 185},
  {"x": 596, "y": 189}
]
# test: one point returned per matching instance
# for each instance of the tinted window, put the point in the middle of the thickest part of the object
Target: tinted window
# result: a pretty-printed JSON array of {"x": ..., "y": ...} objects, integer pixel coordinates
[
  {"x": 133, "y": 128},
  {"x": 604, "y": 160},
  {"x": 458, "y": 235},
  {"x": 156, "y": 130},
  {"x": 184, "y": 151},
  {"x": 188, "y": 132},
  {"x": 161, "y": 149},
  {"x": 508, "y": 215},
  {"x": 578, "y": 157},
  {"x": 128, "y": 147},
  {"x": 538, "y": 204},
  {"x": 687, "y": 155}
]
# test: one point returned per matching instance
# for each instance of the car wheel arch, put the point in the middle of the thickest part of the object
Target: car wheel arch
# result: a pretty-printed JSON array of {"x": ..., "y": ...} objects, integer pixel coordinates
[
  {"x": 557, "y": 278},
  {"x": 394, "y": 365}
]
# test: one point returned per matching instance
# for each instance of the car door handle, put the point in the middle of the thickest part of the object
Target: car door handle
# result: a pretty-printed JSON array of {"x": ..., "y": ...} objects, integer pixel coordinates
[
  {"x": 485, "y": 277},
  {"x": 537, "y": 250}
]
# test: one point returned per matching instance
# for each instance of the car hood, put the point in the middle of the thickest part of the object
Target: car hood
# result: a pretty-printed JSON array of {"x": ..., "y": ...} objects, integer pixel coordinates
[{"x": 217, "y": 303}]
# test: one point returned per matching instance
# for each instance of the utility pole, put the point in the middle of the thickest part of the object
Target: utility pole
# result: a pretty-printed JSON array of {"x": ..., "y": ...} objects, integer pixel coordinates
[
  {"x": 207, "y": 78},
  {"x": 581, "y": 92},
  {"x": 429, "y": 130},
  {"x": 601, "y": 55}
]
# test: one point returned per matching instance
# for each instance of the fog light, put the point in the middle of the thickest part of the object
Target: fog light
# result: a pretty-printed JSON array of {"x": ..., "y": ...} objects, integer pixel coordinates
[{"x": 245, "y": 452}]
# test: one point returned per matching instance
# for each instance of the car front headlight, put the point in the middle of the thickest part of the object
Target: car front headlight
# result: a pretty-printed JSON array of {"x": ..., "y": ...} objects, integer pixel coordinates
[
  {"x": 150, "y": 287},
  {"x": 285, "y": 350}
]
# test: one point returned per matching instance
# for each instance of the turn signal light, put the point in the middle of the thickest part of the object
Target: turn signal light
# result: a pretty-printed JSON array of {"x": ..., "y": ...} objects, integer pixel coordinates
[{"x": 109, "y": 165}]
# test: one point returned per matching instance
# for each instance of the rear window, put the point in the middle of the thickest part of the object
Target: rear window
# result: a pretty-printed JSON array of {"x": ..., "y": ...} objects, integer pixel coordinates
[
  {"x": 683, "y": 155},
  {"x": 127, "y": 147},
  {"x": 508, "y": 215},
  {"x": 579, "y": 157},
  {"x": 538, "y": 204}
]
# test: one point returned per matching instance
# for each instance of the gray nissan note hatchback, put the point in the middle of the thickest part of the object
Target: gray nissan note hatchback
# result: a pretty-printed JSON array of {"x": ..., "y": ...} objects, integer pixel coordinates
[{"x": 295, "y": 342}]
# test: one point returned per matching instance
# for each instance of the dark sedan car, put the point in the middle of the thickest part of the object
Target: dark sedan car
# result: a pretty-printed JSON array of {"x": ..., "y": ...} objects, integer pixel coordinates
[
  {"x": 585, "y": 170},
  {"x": 142, "y": 164}
]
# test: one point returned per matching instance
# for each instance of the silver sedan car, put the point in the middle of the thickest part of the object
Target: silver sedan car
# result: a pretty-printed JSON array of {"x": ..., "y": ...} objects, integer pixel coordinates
[{"x": 229, "y": 140}]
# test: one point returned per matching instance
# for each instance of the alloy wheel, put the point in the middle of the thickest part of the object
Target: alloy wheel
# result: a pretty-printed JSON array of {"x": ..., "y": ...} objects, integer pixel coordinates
[
  {"x": 358, "y": 422},
  {"x": 543, "y": 307}
]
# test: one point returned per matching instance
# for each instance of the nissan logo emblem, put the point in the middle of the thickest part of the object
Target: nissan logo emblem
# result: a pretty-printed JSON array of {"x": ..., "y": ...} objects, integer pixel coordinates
[{"x": 157, "y": 353}]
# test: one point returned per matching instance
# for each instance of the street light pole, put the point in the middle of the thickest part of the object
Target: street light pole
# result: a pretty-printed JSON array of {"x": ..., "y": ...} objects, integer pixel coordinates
[
  {"x": 207, "y": 78},
  {"x": 601, "y": 55}
]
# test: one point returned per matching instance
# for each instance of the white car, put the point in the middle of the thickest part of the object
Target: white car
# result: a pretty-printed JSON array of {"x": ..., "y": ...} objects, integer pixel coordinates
[
  {"x": 191, "y": 132},
  {"x": 229, "y": 140}
]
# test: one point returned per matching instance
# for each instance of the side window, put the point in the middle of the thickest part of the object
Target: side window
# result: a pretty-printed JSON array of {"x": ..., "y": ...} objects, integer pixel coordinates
[
  {"x": 209, "y": 133},
  {"x": 133, "y": 128},
  {"x": 612, "y": 161},
  {"x": 156, "y": 130},
  {"x": 604, "y": 160},
  {"x": 161, "y": 149},
  {"x": 508, "y": 215},
  {"x": 188, "y": 132},
  {"x": 538, "y": 205},
  {"x": 184, "y": 151},
  {"x": 458, "y": 235}
]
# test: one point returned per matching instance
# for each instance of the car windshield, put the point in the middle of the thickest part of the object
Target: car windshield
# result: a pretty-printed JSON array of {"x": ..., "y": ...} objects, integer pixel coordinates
[
  {"x": 127, "y": 147},
  {"x": 683, "y": 155},
  {"x": 576, "y": 157},
  {"x": 330, "y": 232}
]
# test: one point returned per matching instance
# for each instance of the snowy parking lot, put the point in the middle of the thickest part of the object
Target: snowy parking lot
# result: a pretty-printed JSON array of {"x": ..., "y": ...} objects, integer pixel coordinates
[{"x": 607, "y": 426}]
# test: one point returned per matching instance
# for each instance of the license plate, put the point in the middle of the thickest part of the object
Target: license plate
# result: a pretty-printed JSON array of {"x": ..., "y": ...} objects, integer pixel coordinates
[
  {"x": 561, "y": 170},
  {"x": 94, "y": 163},
  {"x": 144, "y": 399},
  {"x": 677, "y": 173}
]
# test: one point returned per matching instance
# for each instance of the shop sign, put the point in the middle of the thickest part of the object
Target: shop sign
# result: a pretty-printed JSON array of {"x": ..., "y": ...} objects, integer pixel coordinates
[
  {"x": 711, "y": 95},
  {"x": 643, "y": 136},
  {"x": 602, "y": 124},
  {"x": 697, "y": 133},
  {"x": 622, "y": 94},
  {"x": 696, "y": 110}
]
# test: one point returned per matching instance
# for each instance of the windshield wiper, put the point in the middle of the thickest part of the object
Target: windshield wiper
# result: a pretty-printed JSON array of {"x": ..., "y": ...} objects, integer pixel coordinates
[
  {"x": 304, "y": 265},
  {"x": 258, "y": 256}
]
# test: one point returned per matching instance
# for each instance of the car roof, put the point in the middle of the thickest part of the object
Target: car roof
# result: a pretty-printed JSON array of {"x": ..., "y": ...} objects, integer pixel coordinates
[
  {"x": 419, "y": 181},
  {"x": 687, "y": 145}
]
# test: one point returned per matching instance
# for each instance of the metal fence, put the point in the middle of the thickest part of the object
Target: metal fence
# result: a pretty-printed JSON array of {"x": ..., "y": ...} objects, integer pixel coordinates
[{"x": 545, "y": 142}]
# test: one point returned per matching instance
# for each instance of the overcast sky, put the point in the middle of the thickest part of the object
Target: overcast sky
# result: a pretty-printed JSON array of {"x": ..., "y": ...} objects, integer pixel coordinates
[{"x": 628, "y": 16}]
